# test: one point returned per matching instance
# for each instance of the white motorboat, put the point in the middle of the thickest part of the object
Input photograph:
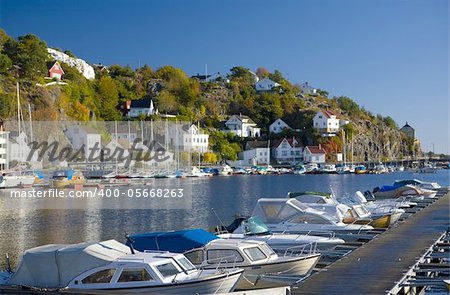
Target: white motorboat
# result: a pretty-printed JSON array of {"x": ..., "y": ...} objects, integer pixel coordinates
[
  {"x": 196, "y": 172},
  {"x": 206, "y": 250},
  {"x": 225, "y": 170},
  {"x": 397, "y": 191},
  {"x": 113, "y": 268},
  {"x": 376, "y": 215},
  {"x": 343, "y": 169},
  {"x": 289, "y": 215},
  {"x": 329, "y": 169},
  {"x": 311, "y": 168},
  {"x": 261, "y": 264},
  {"x": 418, "y": 183},
  {"x": 17, "y": 179},
  {"x": 253, "y": 228}
]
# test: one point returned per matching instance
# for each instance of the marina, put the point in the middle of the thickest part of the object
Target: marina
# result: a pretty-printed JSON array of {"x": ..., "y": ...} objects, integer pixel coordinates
[{"x": 423, "y": 218}]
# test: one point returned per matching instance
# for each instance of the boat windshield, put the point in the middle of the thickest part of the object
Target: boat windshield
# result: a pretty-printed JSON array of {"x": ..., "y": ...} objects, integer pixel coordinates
[
  {"x": 186, "y": 264},
  {"x": 254, "y": 226}
]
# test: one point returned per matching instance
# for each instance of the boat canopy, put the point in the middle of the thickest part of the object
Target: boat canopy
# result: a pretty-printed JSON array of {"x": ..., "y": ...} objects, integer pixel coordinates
[
  {"x": 275, "y": 210},
  {"x": 54, "y": 266},
  {"x": 176, "y": 241}
]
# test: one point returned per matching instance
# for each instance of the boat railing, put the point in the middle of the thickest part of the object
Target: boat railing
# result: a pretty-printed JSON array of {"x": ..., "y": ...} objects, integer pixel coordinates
[
  {"x": 321, "y": 233},
  {"x": 300, "y": 250},
  {"x": 221, "y": 261}
]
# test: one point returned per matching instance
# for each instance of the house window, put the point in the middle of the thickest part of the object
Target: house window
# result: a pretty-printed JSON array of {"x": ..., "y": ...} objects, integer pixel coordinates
[
  {"x": 320, "y": 117},
  {"x": 284, "y": 153}
]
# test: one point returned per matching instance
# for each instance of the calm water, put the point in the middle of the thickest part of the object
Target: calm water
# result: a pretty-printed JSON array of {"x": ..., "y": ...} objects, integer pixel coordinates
[{"x": 26, "y": 228}]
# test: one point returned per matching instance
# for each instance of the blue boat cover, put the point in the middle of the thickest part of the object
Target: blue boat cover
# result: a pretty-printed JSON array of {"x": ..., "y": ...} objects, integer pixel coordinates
[
  {"x": 386, "y": 188},
  {"x": 175, "y": 241}
]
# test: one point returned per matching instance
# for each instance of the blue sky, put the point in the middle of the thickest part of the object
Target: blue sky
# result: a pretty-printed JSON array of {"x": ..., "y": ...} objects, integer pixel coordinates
[{"x": 391, "y": 56}]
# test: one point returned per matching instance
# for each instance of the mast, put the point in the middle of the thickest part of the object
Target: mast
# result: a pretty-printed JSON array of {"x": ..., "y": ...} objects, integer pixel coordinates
[
  {"x": 31, "y": 124},
  {"x": 115, "y": 143},
  {"x": 18, "y": 121}
]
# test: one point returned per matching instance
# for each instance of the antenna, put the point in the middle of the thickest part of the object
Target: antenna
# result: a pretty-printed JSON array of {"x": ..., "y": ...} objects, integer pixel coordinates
[
  {"x": 217, "y": 216},
  {"x": 130, "y": 242},
  {"x": 8, "y": 264}
]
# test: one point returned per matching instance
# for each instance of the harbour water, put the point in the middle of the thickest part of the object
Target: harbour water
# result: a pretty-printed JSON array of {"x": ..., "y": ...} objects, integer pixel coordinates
[{"x": 24, "y": 228}]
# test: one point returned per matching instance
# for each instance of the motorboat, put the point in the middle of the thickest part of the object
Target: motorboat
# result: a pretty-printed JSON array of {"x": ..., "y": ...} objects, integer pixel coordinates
[
  {"x": 299, "y": 170},
  {"x": 261, "y": 264},
  {"x": 418, "y": 183},
  {"x": 252, "y": 228},
  {"x": 360, "y": 212},
  {"x": 289, "y": 215},
  {"x": 395, "y": 191},
  {"x": 311, "y": 168},
  {"x": 329, "y": 169},
  {"x": 17, "y": 179},
  {"x": 380, "y": 169},
  {"x": 225, "y": 170},
  {"x": 361, "y": 169},
  {"x": 196, "y": 172},
  {"x": 113, "y": 268},
  {"x": 67, "y": 178},
  {"x": 344, "y": 169}
]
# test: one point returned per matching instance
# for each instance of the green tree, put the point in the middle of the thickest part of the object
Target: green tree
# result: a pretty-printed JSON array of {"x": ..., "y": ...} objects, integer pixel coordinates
[
  {"x": 31, "y": 56},
  {"x": 348, "y": 106},
  {"x": 109, "y": 99},
  {"x": 5, "y": 63}
]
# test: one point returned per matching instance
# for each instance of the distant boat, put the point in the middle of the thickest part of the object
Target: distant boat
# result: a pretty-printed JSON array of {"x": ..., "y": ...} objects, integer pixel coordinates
[
  {"x": 329, "y": 169},
  {"x": 67, "y": 178},
  {"x": 225, "y": 170},
  {"x": 361, "y": 169},
  {"x": 17, "y": 179}
]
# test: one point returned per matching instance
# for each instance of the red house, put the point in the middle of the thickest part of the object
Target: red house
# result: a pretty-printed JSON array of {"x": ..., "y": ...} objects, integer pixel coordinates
[{"x": 55, "y": 71}]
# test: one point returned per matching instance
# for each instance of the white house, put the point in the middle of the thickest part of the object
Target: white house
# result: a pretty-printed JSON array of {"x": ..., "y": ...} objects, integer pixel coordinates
[
  {"x": 18, "y": 148},
  {"x": 266, "y": 85},
  {"x": 123, "y": 132},
  {"x": 216, "y": 77},
  {"x": 255, "y": 153},
  {"x": 278, "y": 126},
  {"x": 306, "y": 89},
  {"x": 190, "y": 138},
  {"x": 4, "y": 142},
  {"x": 86, "y": 138},
  {"x": 326, "y": 121},
  {"x": 242, "y": 126},
  {"x": 137, "y": 107},
  {"x": 288, "y": 150},
  {"x": 314, "y": 154}
]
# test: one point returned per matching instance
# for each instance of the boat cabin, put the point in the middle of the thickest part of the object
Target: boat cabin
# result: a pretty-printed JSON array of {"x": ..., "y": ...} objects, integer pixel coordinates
[
  {"x": 137, "y": 270},
  {"x": 231, "y": 252}
]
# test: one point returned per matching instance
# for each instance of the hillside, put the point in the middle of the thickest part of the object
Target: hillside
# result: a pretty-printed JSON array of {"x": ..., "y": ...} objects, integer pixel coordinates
[{"x": 25, "y": 61}]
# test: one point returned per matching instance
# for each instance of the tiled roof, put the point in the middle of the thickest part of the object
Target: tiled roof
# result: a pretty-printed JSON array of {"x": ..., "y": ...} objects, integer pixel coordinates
[
  {"x": 327, "y": 113},
  {"x": 290, "y": 141},
  {"x": 314, "y": 149}
]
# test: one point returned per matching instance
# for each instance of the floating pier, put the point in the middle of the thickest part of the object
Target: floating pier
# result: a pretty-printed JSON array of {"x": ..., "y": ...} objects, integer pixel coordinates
[{"x": 379, "y": 266}]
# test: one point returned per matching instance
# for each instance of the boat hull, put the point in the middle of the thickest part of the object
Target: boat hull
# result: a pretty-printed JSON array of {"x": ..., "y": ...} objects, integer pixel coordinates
[
  {"x": 253, "y": 277},
  {"x": 223, "y": 283},
  {"x": 17, "y": 181}
]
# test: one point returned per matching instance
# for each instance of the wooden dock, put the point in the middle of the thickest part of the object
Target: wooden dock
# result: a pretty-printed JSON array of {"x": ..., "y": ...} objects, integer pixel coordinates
[{"x": 377, "y": 266}]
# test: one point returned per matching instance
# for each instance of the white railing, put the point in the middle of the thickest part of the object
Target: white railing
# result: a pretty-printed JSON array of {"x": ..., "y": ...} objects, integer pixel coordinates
[{"x": 306, "y": 249}]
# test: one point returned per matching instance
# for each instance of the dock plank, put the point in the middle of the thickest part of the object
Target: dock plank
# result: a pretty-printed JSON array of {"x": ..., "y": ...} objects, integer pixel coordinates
[{"x": 375, "y": 267}]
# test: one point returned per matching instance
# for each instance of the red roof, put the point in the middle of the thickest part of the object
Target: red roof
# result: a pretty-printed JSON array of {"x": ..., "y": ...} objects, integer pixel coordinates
[
  {"x": 55, "y": 68},
  {"x": 328, "y": 113},
  {"x": 315, "y": 149},
  {"x": 290, "y": 141}
]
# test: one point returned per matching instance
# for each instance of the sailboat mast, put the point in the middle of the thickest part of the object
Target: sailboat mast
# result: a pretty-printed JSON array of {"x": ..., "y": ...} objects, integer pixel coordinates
[{"x": 31, "y": 124}]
